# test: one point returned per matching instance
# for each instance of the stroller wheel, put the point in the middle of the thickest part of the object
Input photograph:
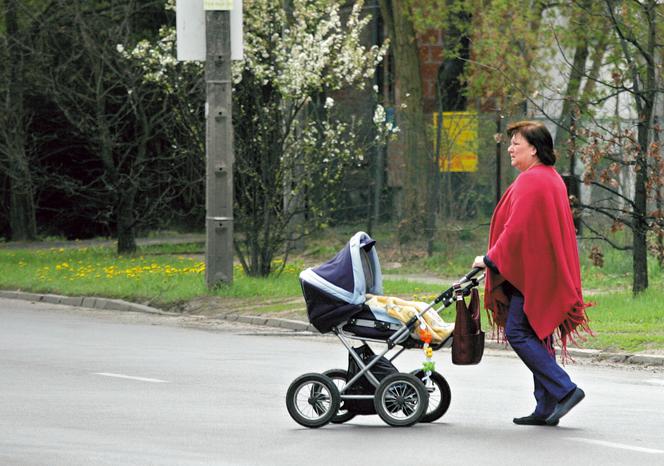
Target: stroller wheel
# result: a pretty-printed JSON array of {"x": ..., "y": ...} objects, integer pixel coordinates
[
  {"x": 401, "y": 400},
  {"x": 312, "y": 400},
  {"x": 440, "y": 395},
  {"x": 339, "y": 377}
]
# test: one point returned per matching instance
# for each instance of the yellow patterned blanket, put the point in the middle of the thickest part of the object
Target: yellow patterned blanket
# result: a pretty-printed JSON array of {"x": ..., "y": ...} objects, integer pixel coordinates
[{"x": 406, "y": 310}]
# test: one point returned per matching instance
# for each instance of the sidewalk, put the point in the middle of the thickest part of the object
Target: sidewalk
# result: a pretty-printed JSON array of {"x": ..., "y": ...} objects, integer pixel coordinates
[{"x": 648, "y": 360}]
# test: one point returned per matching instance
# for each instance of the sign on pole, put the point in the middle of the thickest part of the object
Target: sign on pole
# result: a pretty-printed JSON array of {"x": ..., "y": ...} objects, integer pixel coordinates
[
  {"x": 190, "y": 27},
  {"x": 218, "y": 5},
  {"x": 190, "y": 30}
]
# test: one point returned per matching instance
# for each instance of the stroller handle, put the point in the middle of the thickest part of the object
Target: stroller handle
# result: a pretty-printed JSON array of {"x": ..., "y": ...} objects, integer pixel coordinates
[
  {"x": 472, "y": 273},
  {"x": 467, "y": 282}
]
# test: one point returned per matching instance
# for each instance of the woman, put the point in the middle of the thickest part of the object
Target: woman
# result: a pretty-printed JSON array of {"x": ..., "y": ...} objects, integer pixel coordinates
[{"x": 533, "y": 288}]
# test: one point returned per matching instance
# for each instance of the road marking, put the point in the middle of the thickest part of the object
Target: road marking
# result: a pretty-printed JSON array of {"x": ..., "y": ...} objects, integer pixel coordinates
[
  {"x": 617, "y": 445},
  {"x": 122, "y": 376},
  {"x": 655, "y": 381}
]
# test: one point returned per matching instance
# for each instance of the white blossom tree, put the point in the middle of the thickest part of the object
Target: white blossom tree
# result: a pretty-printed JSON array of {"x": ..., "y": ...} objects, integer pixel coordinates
[
  {"x": 292, "y": 142},
  {"x": 290, "y": 138}
]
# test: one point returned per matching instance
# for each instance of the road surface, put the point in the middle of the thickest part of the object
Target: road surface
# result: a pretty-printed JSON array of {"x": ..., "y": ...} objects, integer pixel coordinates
[{"x": 80, "y": 387}]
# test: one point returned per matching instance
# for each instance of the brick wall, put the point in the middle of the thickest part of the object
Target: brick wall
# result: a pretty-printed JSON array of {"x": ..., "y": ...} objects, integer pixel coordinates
[{"x": 431, "y": 58}]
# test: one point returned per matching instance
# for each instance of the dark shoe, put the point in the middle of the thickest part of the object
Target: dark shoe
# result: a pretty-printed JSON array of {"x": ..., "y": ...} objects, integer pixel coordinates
[
  {"x": 532, "y": 420},
  {"x": 565, "y": 405}
]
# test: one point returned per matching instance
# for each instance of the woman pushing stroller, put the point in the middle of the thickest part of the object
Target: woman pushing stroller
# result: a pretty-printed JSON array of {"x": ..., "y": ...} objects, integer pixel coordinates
[{"x": 533, "y": 289}]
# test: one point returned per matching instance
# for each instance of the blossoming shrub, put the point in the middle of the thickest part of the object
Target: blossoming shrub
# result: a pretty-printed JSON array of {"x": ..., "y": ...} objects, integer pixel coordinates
[{"x": 293, "y": 146}]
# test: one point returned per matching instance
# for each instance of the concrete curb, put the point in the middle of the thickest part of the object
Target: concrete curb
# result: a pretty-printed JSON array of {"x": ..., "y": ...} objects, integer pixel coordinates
[
  {"x": 295, "y": 325},
  {"x": 84, "y": 301}
]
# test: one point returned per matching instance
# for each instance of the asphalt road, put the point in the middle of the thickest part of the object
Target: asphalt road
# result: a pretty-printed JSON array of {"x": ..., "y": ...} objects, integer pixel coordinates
[{"x": 84, "y": 387}]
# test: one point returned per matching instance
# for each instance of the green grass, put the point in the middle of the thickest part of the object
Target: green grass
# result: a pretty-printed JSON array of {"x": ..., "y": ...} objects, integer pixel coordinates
[
  {"x": 285, "y": 285},
  {"x": 160, "y": 277},
  {"x": 625, "y": 323},
  {"x": 98, "y": 271},
  {"x": 179, "y": 248}
]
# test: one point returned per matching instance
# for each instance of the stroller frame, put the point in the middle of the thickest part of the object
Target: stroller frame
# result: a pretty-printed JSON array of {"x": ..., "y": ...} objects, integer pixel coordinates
[
  {"x": 400, "y": 399},
  {"x": 400, "y": 337}
]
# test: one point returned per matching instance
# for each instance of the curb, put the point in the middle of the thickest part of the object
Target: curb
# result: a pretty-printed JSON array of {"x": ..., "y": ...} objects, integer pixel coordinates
[
  {"x": 85, "y": 301},
  {"x": 294, "y": 325}
]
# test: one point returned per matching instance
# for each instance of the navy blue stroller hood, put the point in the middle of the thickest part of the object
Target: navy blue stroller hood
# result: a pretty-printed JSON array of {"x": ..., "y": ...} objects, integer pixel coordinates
[{"x": 336, "y": 290}]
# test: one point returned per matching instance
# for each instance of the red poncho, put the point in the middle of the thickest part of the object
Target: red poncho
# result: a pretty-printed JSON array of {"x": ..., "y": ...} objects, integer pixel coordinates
[{"x": 532, "y": 242}]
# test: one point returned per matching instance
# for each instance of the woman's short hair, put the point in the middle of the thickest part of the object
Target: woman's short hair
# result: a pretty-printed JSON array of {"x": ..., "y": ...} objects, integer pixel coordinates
[{"x": 537, "y": 136}]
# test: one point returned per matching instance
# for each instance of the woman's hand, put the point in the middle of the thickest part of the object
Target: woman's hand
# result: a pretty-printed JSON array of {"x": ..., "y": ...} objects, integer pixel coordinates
[{"x": 479, "y": 262}]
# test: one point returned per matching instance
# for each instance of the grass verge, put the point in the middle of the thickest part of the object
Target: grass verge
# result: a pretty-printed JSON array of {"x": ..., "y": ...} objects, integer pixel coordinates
[{"x": 624, "y": 323}]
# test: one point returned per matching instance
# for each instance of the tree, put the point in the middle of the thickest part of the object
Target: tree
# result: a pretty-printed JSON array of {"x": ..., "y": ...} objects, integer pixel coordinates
[
  {"x": 14, "y": 119},
  {"x": 289, "y": 139},
  {"x": 292, "y": 147},
  {"x": 418, "y": 159},
  {"x": 635, "y": 65},
  {"x": 107, "y": 99}
]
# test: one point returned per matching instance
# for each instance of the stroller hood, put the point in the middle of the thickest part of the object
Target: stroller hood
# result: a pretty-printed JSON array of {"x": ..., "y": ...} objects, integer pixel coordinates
[
  {"x": 335, "y": 291},
  {"x": 352, "y": 273}
]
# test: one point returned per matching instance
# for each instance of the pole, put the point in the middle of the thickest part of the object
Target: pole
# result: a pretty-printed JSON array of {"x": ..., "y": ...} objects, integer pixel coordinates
[{"x": 219, "y": 150}]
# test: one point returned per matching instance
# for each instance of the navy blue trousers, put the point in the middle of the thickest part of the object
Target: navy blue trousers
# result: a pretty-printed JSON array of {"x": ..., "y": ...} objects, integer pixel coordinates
[{"x": 552, "y": 383}]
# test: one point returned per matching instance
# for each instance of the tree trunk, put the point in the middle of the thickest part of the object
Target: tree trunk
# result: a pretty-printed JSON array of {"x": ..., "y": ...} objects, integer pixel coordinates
[
  {"x": 411, "y": 122},
  {"x": 571, "y": 100},
  {"x": 125, "y": 224},
  {"x": 645, "y": 103},
  {"x": 640, "y": 230},
  {"x": 21, "y": 200},
  {"x": 125, "y": 214},
  {"x": 659, "y": 202}
]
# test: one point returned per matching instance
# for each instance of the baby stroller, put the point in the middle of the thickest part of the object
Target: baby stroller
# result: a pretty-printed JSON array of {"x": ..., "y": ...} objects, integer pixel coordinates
[{"x": 336, "y": 297}]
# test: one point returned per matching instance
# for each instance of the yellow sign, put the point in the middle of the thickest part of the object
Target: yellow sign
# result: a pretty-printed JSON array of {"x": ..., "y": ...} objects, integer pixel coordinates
[
  {"x": 459, "y": 141},
  {"x": 217, "y": 4}
]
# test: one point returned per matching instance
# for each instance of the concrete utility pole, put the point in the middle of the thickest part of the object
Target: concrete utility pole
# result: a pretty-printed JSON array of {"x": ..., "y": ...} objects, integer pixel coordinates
[{"x": 219, "y": 149}]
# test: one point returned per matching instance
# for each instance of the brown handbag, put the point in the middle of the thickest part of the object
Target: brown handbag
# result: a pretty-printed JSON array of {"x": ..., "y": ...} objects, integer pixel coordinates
[{"x": 468, "y": 337}]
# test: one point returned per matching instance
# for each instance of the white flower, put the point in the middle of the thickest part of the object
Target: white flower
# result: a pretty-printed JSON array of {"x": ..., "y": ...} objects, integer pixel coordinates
[
  {"x": 329, "y": 102},
  {"x": 120, "y": 48},
  {"x": 375, "y": 88},
  {"x": 379, "y": 115}
]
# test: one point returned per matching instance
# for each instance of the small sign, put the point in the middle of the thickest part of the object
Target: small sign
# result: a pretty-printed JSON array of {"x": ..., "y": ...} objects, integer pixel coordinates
[
  {"x": 218, "y": 5},
  {"x": 190, "y": 21},
  {"x": 459, "y": 148},
  {"x": 190, "y": 28}
]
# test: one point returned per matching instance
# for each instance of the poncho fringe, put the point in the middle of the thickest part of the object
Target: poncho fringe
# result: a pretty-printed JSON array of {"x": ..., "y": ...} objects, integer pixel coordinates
[{"x": 570, "y": 330}]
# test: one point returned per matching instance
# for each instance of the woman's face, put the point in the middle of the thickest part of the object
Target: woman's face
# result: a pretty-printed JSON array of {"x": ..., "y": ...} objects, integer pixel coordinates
[{"x": 522, "y": 154}]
